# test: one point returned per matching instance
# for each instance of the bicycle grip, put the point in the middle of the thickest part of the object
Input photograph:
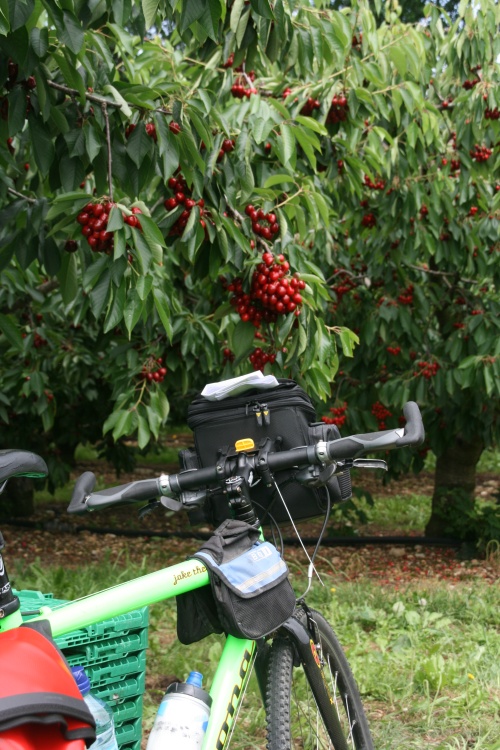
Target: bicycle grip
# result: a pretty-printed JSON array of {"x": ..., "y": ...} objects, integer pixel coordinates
[
  {"x": 357, "y": 445},
  {"x": 142, "y": 490},
  {"x": 83, "y": 487},
  {"x": 414, "y": 433}
]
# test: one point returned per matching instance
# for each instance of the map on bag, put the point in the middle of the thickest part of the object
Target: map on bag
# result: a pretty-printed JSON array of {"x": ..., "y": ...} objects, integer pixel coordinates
[{"x": 225, "y": 388}]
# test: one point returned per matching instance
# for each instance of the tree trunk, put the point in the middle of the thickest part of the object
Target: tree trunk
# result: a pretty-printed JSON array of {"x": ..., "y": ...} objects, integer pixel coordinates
[
  {"x": 454, "y": 488},
  {"x": 17, "y": 500}
]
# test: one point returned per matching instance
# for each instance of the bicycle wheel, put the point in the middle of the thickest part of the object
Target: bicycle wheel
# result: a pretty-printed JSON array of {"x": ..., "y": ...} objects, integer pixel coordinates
[{"x": 294, "y": 718}]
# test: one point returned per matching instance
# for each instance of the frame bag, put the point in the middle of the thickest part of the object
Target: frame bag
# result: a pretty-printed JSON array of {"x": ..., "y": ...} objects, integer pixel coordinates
[{"x": 250, "y": 590}]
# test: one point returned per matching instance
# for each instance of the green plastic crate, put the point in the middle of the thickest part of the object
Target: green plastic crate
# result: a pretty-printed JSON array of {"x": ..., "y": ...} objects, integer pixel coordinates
[
  {"x": 31, "y": 601},
  {"x": 113, "y": 653},
  {"x": 106, "y": 674},
  {"x": 117, "y": 692},
  {"x": 132, "y": 746},
  {"x": 130, "y": 709},
  {"x": 106, "y": 650},
  {"x": 130, "y": 731}
]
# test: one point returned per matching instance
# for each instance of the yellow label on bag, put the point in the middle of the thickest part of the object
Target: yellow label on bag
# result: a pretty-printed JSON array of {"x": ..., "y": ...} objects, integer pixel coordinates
[{"x": 247, "y": 444}]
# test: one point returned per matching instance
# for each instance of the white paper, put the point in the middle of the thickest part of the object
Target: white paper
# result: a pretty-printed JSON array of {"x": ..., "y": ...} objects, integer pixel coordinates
[{"x": 234, "y": 386}]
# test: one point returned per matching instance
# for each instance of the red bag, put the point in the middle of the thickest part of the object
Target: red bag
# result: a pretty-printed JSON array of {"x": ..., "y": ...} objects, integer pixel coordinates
[{"x": 41, "y": 707}]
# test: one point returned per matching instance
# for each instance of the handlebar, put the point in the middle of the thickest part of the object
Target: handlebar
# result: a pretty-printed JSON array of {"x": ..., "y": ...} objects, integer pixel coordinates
[{"x": 171, "y": 486}]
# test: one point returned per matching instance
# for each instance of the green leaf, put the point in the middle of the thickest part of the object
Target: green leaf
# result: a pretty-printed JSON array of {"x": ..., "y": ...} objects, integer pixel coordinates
[
  {"x": 288, "y": 139},
  {"x": 9, "y": 326},
  {"x": 17, "y": 110},
  {"x": 311, "y": 124},
  {"x": 143, "y": 431},
  {"x": 115, "y": 220},
  {"x": 69, "y": 30},
  {"x": 236, "y": 9},
  {"x": 139, "y": 145},
  {"x": 191, "y": 11},
  {"x": 242, "y": 338},
  {"x": 19, "y": 12},
  {"x": 348, "y": 340},
  {"x": 115, "y": 312},
  {"x": 279, "y": 179},
  {"x": 398, "y": 57},
  {"x": 149, "y": 8},
  {"x": 151, "y": 231},
  {"x": 109, "y": 89},
  {"x": 306, "y": 144},
  {"x": 163, "y": 309},
  {"x": 68, "y": 278},
  {"x": 42, "y": 145}
]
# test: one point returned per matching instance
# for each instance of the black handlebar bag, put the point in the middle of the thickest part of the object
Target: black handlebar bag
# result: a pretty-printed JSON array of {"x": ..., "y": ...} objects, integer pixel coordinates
[
  {"x": 251, "y": 595},
  {"x": 283, "y": 416}
]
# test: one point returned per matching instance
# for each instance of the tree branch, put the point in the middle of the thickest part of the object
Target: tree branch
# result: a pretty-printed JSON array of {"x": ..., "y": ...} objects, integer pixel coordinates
[
  {"x": 104, "y": 108},
  {"x": 91, "y": 97},
  {"x": 21, "y": 195}
]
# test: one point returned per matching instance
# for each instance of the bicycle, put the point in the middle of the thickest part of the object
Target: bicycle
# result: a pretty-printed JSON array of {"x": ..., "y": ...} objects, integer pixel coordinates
[{"x": 310, "y": 695}]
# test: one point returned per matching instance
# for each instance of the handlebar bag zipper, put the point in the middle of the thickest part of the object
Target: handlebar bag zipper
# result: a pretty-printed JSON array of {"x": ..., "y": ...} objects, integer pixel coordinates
[
  {"x": 249, "y": 582},
  {"x": 284, "y": 414}
]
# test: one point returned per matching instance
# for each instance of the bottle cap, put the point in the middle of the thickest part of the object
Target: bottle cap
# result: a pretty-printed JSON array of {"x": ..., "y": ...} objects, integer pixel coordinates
[
  {"x": 184, "y": 688},
  {"x": 195, "y": 678},
  {"x": 81, "y": 679}
]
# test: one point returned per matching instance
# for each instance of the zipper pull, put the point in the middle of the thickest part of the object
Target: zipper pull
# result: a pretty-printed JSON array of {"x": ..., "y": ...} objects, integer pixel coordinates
[
  {"x": 267, "y": 415},
  {"x": 258, "y": 414}
]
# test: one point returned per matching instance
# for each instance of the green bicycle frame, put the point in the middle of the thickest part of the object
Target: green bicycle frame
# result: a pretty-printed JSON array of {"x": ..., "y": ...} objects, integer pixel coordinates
[{"x": 233, "y": 670}]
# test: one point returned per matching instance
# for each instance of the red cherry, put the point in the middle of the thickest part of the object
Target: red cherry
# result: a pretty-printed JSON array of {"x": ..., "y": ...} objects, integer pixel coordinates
[
  {"x": 174, "y": 127},
  {"x": 132, "y": 221},
  {"x": 170, "y": 203}
]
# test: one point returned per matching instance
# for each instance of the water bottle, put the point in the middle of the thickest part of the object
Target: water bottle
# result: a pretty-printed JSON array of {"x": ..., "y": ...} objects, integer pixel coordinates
[
  {"x": 103, "y": 716},
  {"x": 182, "y": 717}
]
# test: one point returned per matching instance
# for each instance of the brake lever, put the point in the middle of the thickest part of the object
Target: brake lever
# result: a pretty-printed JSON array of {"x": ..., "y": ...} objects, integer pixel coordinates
[{"x": 369, "y": 463}]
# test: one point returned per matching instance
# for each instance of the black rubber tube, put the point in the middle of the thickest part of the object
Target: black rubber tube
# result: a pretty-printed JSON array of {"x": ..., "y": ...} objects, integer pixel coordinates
[{"x": 341, "y": 541}]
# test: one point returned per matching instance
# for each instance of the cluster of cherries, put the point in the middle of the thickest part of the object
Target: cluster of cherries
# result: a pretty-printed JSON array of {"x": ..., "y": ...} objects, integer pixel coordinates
[
  {"x": 273, "y": 292},
  {"x": 492, "y": 114},
  {"x": 369, "y": 220},
  {"x": 377, "y": 185},
  {"x": 153, "y": 370},
  {"x": 339, "y": 415},
  {"x": 338, "y": 110},
  {"x": 240, "y": 88},
  {"x": 406, "y": 296},
  {"x": 228, "y": 145},
  {"x": 182, "y": 197},
  {"x": 259, "y": 358},
  {"x": 394, "y": 350},
  {"x": 423, "y": 211},
  {"x": 344, "y": 286},
  {"x": 480, "y": 153},
  {"x": 381, "y": 413},
  {"x": 39, "y": 341},
  {"x": 470, "y": 83},
  {"x": 257, "y": 216},
  {"x": 309, "y": 106},
  {"x": 426, "y": 369},
  {"x": 94, "y": 221},
  {"x": 28, "y": 83},
  {"x": 150, "y": 130}
]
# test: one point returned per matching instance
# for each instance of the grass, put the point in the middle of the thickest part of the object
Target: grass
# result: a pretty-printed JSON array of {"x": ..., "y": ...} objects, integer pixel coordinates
[{"x": 427, "y": 659}]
